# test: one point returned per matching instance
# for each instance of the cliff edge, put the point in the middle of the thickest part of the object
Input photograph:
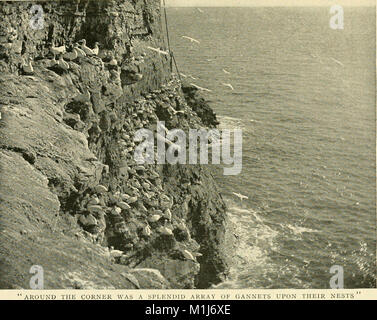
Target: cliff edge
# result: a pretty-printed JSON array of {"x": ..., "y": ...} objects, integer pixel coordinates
[{"x": 72, "y": 199}]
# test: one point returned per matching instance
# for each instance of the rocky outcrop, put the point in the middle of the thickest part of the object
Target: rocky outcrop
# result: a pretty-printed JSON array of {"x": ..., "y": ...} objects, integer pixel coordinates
[{"x": 72, "y": 198}]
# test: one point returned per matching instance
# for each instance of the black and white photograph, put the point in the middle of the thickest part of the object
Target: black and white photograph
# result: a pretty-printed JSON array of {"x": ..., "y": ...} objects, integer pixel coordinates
[{"x": 187, "y": 144}]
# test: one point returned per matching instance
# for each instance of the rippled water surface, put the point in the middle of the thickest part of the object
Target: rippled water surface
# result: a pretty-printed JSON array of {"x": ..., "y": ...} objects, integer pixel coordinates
[{"x": 304, "y": 96}]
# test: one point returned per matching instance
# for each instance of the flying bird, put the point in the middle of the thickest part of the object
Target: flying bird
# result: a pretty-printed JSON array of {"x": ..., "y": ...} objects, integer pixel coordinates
[
  {"x": 191, "y": 39},
  {"x": 159, "y": 51},
  {"x": 337, "y": 61},
  {"x": 200, "y": 88},
  {"x": 228, "y": 85},
  {"x": 241, "y": 196}
]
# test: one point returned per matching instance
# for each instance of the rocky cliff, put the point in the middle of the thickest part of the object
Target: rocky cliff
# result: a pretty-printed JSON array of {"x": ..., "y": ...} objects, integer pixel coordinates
[{"x": 72, "y": 199}]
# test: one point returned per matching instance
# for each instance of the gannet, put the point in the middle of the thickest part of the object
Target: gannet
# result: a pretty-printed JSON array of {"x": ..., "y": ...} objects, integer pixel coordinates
[
  {"x": 191, "y": 39},
  {"x": 61, "y": 63},
  {"x": 188, "y": 255},
  {"x": 228, "y": 85},
  {"x": 58, "y": 50},
  {"x": 200, "y": 10},
  {"x": 159, "y": 51},
  {"x": 226, "y": 72},
  {"x": 241, "y": 196},
  {"x": 80, "y": 52},
  {"x": 337, "y": 61},
  {"x": 27, "y": 68},
  {"x": 175, "y": 111},
  {"x": 96, "y": 48},
  {"x": 86, "y": 49},
  {"x": 200, "y": 88}
]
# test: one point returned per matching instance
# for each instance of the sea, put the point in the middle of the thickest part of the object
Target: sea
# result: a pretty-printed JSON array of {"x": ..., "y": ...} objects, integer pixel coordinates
[{"x": 304, "y": 96}]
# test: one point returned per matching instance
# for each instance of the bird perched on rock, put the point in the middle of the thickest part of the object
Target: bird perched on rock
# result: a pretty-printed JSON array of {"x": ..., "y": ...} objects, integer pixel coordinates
[
  {"x": 165, "y": 231},
  {"x": 116, "y": 253},
  {"x": 87, "y": 50},
  {"x": 80, "y": 52},
  {"x": 63, "y": 64},
  {"x": 88, "y": 220},
  {"x": 123, "y": 205},
  {"x": 154, "y": 218},
  {"x": 100, "y": 189},
  {"x": 95, "y": 208},
  {"x": 188, "y": 255},
  {"x": 113, "y": 61},
  {"x": 96, "y": 48},
  {"x": 167, "y": 214},
  {"x": 58, "y": 50},
  {"x": 93, "y": 201},
  {"x": 147, "y": 231},
  {"x": 27, "y": 68}
]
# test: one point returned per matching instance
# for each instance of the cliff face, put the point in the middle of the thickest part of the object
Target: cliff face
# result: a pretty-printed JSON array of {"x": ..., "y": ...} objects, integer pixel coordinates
[{"x": 69, "y": 187}]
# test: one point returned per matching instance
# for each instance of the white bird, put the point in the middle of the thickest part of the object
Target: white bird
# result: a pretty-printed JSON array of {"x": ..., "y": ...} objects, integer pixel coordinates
[
  {"x": 188, "y": 255},
  {"x": 226, "y": 72},
  {"x": 80, "y": 52},
  {"x": 61, "y": 63},
  {"x": 337, "y": 61},
  {"x": 27, "y": 68},
  {"x": 154, "y": 218},
  {"x": 165, "y": 231},
  {"x": 191, "y": 39},
  {"x": 116, "y": 253},
  {"x": 200, "y": 10},
  {"x": 228, "y": 85},
  {"x": 241, "y": 196},
  {"x": 159, "y": 51},
  {"x": 167, "y": 214},
  {"x": 87, "y": 50},
  {"x": 200, "y": 88},
  {"x": 96, "y": 49},
  {"x": 175, "y": 112},
  {"x": 147, "y": 231},
  {"x": 58, "y": 50}
]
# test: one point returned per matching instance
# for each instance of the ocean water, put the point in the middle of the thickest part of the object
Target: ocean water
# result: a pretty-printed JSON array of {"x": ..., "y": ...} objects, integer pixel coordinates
[{"x": 304, "y": 96}]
